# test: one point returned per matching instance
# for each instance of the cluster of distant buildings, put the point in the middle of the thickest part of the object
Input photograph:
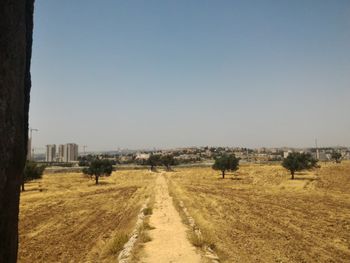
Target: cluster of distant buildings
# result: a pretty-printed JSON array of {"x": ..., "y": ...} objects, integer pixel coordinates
[
  {"x": 207, "y": 154},
  {"x": 68, "y": 153},
  {"x": 63, "y": 153}
]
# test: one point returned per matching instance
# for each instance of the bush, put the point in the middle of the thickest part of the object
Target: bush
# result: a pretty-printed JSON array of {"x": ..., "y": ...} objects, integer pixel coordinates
[
  {"x": 32, "y": 171},
  {"x": 117, "y": 243}
]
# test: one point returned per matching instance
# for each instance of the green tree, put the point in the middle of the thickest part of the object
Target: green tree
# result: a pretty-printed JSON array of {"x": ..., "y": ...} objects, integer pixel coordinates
[
  {"x": 32, "y": 171},
  {"x": 168, "y": 160},
  {"x": 153, "y": 161},
  {"x": 296, "y": 161},
  {"x": 226, "y": 163},
  {"x": 336, "y": 156},
  {"x": 99, "y": 168}
]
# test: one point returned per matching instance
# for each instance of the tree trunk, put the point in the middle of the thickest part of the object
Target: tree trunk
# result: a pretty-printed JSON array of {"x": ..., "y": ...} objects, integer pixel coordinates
[
  {"x": 96, "y": 179},
  {"x": 22, "y": 186},
  {"x": 16, "y": 23},
  {"x": 292, "y": 172},
  {"x": 223, "y": 174}
]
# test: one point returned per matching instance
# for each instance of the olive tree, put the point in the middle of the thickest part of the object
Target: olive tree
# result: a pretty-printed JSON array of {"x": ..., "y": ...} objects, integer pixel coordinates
[
  {"x": 226, "y": 163},
  {"x": 168, "y": 160},
  {"x": 296, "y": 161},
  {"x": 99, "y": 168},
  {"x": 153, "y": 160},
  {"x": 336, "y": 156}
]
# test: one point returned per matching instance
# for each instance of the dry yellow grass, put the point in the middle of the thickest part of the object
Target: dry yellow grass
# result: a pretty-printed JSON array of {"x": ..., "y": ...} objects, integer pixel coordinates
[
  {"x": 256, "y": 215},
  {"x": 260, "y": 215},
  {"x": 67, "y": 218}
]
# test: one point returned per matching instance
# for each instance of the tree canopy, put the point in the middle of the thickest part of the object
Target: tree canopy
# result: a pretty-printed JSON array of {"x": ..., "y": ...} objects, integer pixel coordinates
[
  {"x": 153, "y": 161},
  {"x": 99, "y": 168},
  {"x": 226, "y": 163},
  {"x": 299, "y": 161},
  {"x": 32, "y": 171},
  {"x": 168, "y": 160},
  {"x": 336, "y": 156}
]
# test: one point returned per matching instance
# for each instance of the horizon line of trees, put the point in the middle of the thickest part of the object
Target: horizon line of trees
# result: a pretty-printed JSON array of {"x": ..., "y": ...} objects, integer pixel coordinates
[{"x": 97, "y": 167}]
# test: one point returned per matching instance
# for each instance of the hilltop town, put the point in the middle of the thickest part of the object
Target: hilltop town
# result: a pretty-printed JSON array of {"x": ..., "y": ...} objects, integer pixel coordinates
[{"x": 68, "y": 153}]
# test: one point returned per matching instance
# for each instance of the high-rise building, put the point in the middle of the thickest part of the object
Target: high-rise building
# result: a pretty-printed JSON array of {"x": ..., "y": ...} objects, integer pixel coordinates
[
  {"x": 70, "y": 152},
  {"x": 60, "y": 157},
  {"x": 50, "y": 153}
]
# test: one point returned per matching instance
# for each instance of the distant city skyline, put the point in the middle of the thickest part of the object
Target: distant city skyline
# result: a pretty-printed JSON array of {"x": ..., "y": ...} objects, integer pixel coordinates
[{"x": 167, "y": 74}]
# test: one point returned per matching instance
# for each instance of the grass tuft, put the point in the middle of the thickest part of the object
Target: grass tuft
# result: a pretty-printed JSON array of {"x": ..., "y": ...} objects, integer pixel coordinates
[
  {"x": 147, "y": 226},
  {"x": 196, "y": 240},
  {"x": 145, "y": 237},
  {"x": 147, "y": 211},
  {"x": 116, "y": 245}
]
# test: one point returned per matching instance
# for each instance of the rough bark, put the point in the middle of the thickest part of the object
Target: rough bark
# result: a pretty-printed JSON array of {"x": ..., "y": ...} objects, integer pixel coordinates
[{"x": 16, "y": 27}]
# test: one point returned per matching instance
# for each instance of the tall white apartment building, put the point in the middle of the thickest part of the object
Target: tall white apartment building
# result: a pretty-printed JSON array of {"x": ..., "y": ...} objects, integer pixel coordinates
[
  {"x": 70, "y": 152},
  {"x": 51, "y": 153},
  {"x": 60, "y": 156}
]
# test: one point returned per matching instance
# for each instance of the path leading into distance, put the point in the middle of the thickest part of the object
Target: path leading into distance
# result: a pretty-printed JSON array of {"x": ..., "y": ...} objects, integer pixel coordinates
[{"x": 169, "y": 240}]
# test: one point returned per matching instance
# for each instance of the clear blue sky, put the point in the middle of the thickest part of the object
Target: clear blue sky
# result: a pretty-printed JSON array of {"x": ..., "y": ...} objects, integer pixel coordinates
[{"x": 141, "y": 74}]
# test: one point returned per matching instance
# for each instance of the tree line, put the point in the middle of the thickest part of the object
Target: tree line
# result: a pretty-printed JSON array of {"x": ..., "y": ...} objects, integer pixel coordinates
[
  {"x": 294, "y": 162},
  {"x": 96, "y": 167}
]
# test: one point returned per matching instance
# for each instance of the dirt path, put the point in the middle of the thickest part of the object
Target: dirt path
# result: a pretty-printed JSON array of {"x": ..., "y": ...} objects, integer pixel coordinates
[{"x": 169, "y": 241}]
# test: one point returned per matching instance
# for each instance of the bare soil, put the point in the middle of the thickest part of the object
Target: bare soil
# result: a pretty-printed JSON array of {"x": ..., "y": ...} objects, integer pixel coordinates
[
  {"x": 169, "y": 241},
  {"x": 67, "y": 218},
  {"x": 259, "y": 215}
]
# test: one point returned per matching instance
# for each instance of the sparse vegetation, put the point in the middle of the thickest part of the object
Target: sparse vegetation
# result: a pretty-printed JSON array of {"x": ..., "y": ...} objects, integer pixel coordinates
[
  {"x": 168, "y": 161},
  {"x": 264, "y": 217},
  {"x": 74, "y": 221},
  {"x": 336, "y": 156},
  {"x": 196, "y": 240},
  {"x": 144, "y": 236},
  {"x": 296, "y": 162},
  {"x": 147, "y": 211},
  {"x": 226, "y": 162},
  {"x": 147, "y": 226},
  {"x": 153, "y": 161},
  {"x": 32, "y": 171},
  {"x": 99, "y": 168},
  {"x": 117, "y": 243}
]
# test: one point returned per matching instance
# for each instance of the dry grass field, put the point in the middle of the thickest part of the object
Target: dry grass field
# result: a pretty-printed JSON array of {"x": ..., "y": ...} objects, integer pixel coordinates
[
  {"x": 67, "y": 218},
  {"x": 260, "y": 215},
  {"x": 256, "y": 215}
]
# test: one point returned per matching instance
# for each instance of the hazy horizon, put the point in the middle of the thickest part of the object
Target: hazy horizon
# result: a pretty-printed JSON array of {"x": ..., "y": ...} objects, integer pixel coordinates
[{"x": 166, "y": 74}]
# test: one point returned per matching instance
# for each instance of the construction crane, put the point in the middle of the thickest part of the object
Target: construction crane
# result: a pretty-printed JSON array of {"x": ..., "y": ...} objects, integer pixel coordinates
[
  {"x": 31, "y": 132},
  {"x": 84, "y": 148},
  {"x": 37, "y": 149}
]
